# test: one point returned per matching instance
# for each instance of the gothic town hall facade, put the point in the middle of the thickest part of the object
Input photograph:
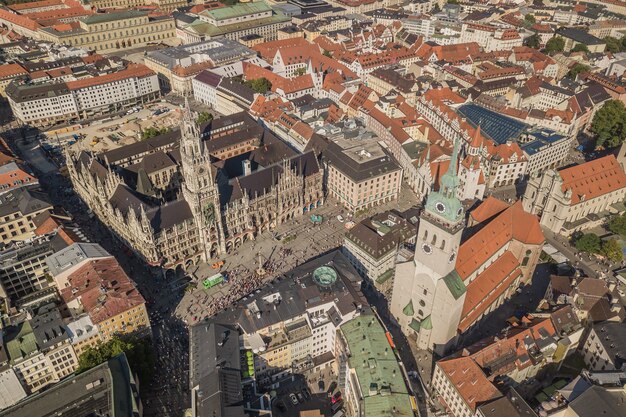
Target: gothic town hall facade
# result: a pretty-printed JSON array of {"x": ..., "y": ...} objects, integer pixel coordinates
[{"x": 198, "y": 192}]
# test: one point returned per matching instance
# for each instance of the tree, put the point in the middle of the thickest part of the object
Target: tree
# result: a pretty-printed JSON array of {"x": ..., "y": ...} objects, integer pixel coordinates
[
  {"x": 580, "y": 47},
  {"x": 204, "y": 117},
  {"x": 260, "y": 85},
  {"x": 609, "y": 124},
  {"x": 529, "y": 18},
  {"x": 577, "y": 69},
  {"x": 612, "y": 250},
  {"x": 327, "y": 53},
  {"x": 613, "y": 45},
  {"x": 588, "y": 242},
  {"x": 153, "y": 131},
  {"x": 533, "y": 41},
  {"x": 138, "y": 352},
  {"x": 555, "y": 44},
  {"x": 617, "y": 224}
]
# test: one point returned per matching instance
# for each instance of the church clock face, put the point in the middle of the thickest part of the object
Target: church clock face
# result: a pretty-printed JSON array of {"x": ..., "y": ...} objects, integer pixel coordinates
[
  {"x": 427, "y": 249},
  {"x": 440, "y": 207}
]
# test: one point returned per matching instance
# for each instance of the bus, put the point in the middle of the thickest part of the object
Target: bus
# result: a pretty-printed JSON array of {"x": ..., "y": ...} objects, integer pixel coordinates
[{"x": 212, "y": 281}]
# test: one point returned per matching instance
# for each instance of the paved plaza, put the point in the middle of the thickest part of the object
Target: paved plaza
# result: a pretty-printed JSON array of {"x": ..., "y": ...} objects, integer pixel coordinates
[{"x": 300, "y": 241}]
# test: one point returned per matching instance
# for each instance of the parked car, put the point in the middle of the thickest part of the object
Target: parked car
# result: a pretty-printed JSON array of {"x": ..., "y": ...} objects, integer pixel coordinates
[
  {"x": 336, "y": 398},
  {"x": 294, "y": 400},
  {"x": 332, "y": 387}
]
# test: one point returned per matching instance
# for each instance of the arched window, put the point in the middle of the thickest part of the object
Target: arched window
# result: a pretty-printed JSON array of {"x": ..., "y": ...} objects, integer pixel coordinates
[
  {"x": 443, "y": 244},
  {"x": 425, "y": 234},
  {"x": 434, "y": 241},
  {"x": 526, "y": 258}
]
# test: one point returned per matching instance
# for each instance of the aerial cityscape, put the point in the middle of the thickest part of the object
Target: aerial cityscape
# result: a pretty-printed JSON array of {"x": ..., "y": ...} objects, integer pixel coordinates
[{"x": 313, "y": 208}]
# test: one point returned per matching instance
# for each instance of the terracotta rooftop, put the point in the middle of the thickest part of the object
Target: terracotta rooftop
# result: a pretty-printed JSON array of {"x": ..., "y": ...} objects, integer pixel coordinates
[
  {"x": 11, "y": 70},
  {"x": 593, "y": 179},
  {"x": 469, "y": 380},
  {"x": 103, "y": 288},
  {"x": 133, "y": 70}
]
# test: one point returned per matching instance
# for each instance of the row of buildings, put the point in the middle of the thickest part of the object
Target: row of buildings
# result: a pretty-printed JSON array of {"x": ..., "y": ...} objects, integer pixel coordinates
[{"x": 313, "y": 319}]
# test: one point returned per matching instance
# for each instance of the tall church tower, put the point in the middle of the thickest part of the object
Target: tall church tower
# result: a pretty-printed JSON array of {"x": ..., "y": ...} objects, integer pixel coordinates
[
  {"x": 428, "y": 294},
  {"x": 199, "y": 189}
]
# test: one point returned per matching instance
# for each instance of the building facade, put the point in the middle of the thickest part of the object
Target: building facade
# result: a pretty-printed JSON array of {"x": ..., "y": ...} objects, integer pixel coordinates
[
  {"x": 218, "y": 208},
  {"x": 578, "y": 197}
]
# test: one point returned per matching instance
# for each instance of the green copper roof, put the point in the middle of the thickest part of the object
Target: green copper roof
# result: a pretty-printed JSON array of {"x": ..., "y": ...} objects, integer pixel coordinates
[
  {"x": 427, "y": 323},
  {"x": 415, "y": 325},
  {"x": 408, "y": 309},
  {"x": 444, "y": 203},
  {"x": 384, "y": 276},
  {"x": 22, "y": 343},
  {"x": 455, "y": 284},
  {"x": 378, "y": 373},
  {"x": 238, "y": 10},
  {"x": 205, "y": 28}
]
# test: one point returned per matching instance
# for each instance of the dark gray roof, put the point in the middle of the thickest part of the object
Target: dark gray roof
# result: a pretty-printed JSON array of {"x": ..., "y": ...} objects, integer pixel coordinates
[
  {"x": 123, "y": 199},
  {"x": 243, "y": 92},
  {"x": 612, "y": 336},
  {"x": 209, "y": 78},
  {"x": 376, "y": 237},
  {"x": 24, "y": 93},
  {"x": 298, "y": 291},
  {"x": 356, "y": 170},
  {"x": 48, "y": 329},
  {"x": 153, "y": 162},
  {"x": 260, "y": 182},
  {"x": 145, "y": 146},
  {"x": 578, "y": 35},
  {"x": 169, "y": 215},
  {"x": 511, "y": 405},
  {"x": 108, "y": 388},
  {"x": 599, "y": 401},
  {"x": 214, "y": 367},
  {"x": 23, "y": 200}
]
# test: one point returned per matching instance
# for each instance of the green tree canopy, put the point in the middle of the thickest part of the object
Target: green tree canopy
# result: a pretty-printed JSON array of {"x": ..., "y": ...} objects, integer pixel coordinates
[
  {"x": 153, "y": 131},
  {"x": 530, "y": 19},
  {"x": 612, "y": 250},
  {"x": 327, "y": 53},
  {"x": 617, "y": 224},
  {"x": 580, "y": 47},
  {"x": 588, "y": 242},
  {"x": 204, "y": 117},
  {"x": 260, "y": 85},
  {"x": 613, "y": 45},
  {"x": 577, "y": 69},
  {"x": 138, "y": 351},
  {"x": 533, "y": 41},
  {"x": 555, "y": 44},
  {"x": 609, "y": 124}
]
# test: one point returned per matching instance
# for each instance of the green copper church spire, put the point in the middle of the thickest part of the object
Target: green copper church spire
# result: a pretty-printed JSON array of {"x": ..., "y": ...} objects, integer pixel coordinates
[{"x": 444, "y": 203}]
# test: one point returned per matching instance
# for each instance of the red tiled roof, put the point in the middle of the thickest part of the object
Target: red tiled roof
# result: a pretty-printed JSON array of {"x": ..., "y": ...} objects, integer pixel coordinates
[
  {"x": 11, "y": 70},
  {"x": 18, "y": 20},
  {"x": 487, "y": 287},
  {"x": 469, "y": 380},
  {"x": 103, "y": 288},
  {"x": 133, "y": 70},
  {"x": 593, "y": 179},
  {"x": 512, "y": 223}
]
